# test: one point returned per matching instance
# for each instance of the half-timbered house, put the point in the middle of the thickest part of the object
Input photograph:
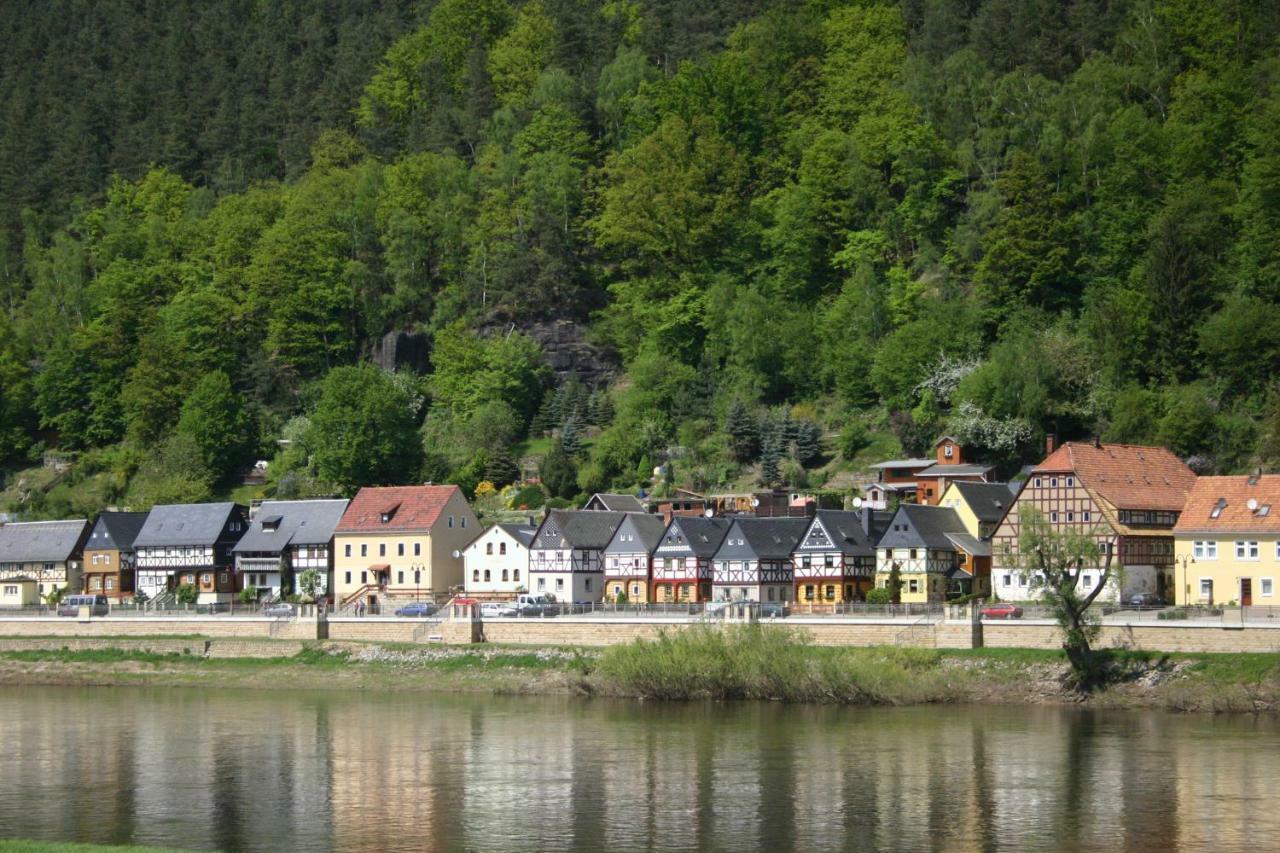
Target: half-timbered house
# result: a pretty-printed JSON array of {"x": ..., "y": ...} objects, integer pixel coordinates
[
  {"x": 628, "y": 557},
  {"x": 566, "y": 559},
  {"x": 920, "y": 544},
  {"x": 109, "y": 560},
  {"x": 684, "y": 560},
  {"x": 754, "y": 561},
  {"x": 285, "y": 539},
  {"x": 49, "y": 552},
  {"x": 835, "y": 559},
  {"x": 1127, "y": 497},
  {"x": 190, "y": 545}
]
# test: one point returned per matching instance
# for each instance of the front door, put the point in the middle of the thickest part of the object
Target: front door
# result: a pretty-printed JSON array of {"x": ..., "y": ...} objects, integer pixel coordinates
[{"x": 1246, "y": 592}]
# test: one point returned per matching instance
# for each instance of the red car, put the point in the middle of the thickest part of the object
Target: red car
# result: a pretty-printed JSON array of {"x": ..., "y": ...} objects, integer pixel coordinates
[{"x": 1004, "y": 610}]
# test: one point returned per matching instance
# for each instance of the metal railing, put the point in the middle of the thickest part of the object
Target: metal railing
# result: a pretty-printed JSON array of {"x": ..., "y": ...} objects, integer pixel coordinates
[{"x": 167, "y": 611}]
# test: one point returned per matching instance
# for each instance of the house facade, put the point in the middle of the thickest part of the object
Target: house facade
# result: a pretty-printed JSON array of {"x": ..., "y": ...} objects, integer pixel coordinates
[
  {"x": 109, "y": 561},
  {"x": 18, "y": 591},
  {"x": 950, "y": 465},
  {"x": 896, "y": 480},
  {"x": 919, "y": 545},
  {"x": 628, "y": 558},
  {"x": 754, "y": 561},
  {"x": 566, "y": 559},
  {"x": 285, "y": 539},
  {"x": 1127, "y": 497},
  {"x": 497, "y": 562},
  {"x": 1227, "y": 542},
  {"x": 401, "y": 543},
  {"x": 190, "y": 545},
  {"x": 49, "y": 552},
  {"x": 835, "y": 560},
  {"x": 684, "y": 559}
]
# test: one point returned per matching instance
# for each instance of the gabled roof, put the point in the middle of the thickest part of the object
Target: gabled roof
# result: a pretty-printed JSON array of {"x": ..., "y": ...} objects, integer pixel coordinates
[
  {"x": 1127, "y": 476},
  {"x": 965, "y": 470},
  {"x": 1231, "y": 496},
  {"x": 906, "y": 463},
  {"x": 988, "y": 501},
  {"x": 590, "y": 529},
  {"x": 769, "y": 538},
  {"x": 115, "y": 531},
  {"x": 42, "y": 541},
  {"x": 701, "y": 537},
  {"x": 844, "y": 529},
  {"x": 922, "y": 526},
  {"x": 646, "y": 528},
  {"x": 616, "y": 503},
  {"x": 970, "y": 544},
  {"x": 522, "y": 533},
  {"x": 410, "y": 508},
  {"x": 296, "y": 523},
  {"x": 185, "y": 524}
]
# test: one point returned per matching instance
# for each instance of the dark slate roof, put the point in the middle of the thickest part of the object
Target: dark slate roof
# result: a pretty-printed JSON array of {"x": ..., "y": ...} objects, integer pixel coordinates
[
  {"x": 115, "y": 531},
  {"x": 298, "y": 523},
  {"x": 648, "y": 530},
  {"x": 989, "y": 501},
  {"x": 617, "y": 503},
  {"x": 522, "y": 533},
  {"x": 699, "y": 537},
  {"x": 41, "y": 541},
  {"x": 914, "y": 525},
  {"x": 954, "y": 470},
  {"x": 184, "y": 524},
  {"x": 764, "y": 538},
  {"x": 844, "y": 527},
  {"x": 905, "y": 463},
  {"x": 577, "y": 529},
  {"x": 971, "y": 545}
]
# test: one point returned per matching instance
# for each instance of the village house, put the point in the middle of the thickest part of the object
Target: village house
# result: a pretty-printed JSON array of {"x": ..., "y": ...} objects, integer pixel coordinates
[
  {"x": 835, "y": 560},
  {"x": 602, "y": 502},
  {"x": 497, "y": 562},
  {"x": 684, "y": 559},
  {"x": 1227, "y": 542},
  {"x": 19, "y": 591},
  {"x": 401, "y": 543},
  {"x": 566, "y": 559},
  {"x": 682, "y": 502},
  {"x": 628, "y": 557},
  {"x": 949, "y": 466},
  {"x": 49, "y": 552},
  {"x": 285, "y": 539},
  {"x": 981, "y": 507},
  {"x": 1127, "y": 497},
  {"x": 109, "y": 561},
  {"x": 190, "y": 545},
  {"x": 920, "y": 543},
  {"x": 897, "y": 481},
  {"x": 754, "y": 561}
]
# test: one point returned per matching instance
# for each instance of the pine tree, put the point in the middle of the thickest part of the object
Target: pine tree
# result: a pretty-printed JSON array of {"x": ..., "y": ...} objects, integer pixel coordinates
[
  {"x": 744, "y": 432},
  {"x": 571, "y": 435},
  {"x": 772, "y": 449},
  {"x": 559, "y": 474},
  {"x": 806, "y": 441}
]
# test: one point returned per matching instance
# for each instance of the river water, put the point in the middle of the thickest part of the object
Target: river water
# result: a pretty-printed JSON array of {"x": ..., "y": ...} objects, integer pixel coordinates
[{"x": 309, "y": 771}]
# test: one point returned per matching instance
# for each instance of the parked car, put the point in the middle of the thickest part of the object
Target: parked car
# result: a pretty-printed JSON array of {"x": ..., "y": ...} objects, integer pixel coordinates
[
  {"x": 1003, "y": 610},
  {"x": 498, "y": 610},
  {"x": 418, "y": 608},
  {"x": 1146, "y": 599},
  {"x": 535, "y": 605},
  {"x": 71, "y": 604},
  {"x": 279, "y": 610}
]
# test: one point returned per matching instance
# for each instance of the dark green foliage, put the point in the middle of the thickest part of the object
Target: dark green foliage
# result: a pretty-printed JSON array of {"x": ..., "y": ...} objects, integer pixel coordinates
[
  {"x": 558, "y": 472},
  {"x": 744, "y": 432},
  {"x": 214, "y": 420}
]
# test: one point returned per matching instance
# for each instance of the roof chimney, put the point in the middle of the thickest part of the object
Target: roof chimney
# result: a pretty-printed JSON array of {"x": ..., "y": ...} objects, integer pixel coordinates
[
  {"x": 1097, "y": 442},
  {"x": 1050, "y": 444},
  {"x": 1255, "y": 476},
  {"x": 866, "y": 520}
]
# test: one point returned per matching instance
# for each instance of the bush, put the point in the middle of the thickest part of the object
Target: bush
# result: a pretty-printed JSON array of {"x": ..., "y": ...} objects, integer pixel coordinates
[
  {"x": 187, "y": 594},
  {"x": 248, "y": 595},
  {"x": 530, "y": 497},
  {"x": 879, "y": 595},
  {"x": 559, "y": 503}
]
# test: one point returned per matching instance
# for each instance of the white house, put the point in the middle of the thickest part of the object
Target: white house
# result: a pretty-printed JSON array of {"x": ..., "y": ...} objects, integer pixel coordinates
[
  {"x": 566, "y": 558},
  {"x": 497, "y": 563}
]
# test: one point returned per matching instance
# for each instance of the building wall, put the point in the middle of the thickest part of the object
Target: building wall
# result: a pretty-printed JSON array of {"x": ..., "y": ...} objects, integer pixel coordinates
[
  {"x": 104, "y": 567},
  {"x": 636, "y": 588},
  {"x": 18, "y": 593},
  {"x": 1225, "y": 570},
  {"x": 478, "y": 561},
  {"x": 568, "y": 586}
]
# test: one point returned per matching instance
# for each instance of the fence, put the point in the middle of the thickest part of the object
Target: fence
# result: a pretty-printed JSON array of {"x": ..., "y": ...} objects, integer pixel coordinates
[{"x": 167, "y": 611}]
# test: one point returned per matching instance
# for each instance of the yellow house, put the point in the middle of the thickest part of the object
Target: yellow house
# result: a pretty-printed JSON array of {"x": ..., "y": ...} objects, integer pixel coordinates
[
  {"x": 1227, "y": 542},
  {"x": 401, "y": 543},
  {"x": 18, "y": 592},
  {"x": 920, "y": 543}
]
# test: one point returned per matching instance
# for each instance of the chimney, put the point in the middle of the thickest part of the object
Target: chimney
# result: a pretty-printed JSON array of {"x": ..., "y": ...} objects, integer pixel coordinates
[
  {"x": 1097, "y": 442},
  {"x": 866, "y": 520},
  {"x": 1050, "y": 443}
]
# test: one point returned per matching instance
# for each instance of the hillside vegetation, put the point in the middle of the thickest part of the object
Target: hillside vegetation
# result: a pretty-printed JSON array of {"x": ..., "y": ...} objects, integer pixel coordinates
[{"x": 805, "y": 228}]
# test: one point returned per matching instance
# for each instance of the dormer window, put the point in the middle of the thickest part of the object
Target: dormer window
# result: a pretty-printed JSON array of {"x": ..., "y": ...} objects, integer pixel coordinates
[
  {"x": 389, "y": 513},
  {"x": 271, "y": 524},
  {"x": 1218, "y": 508}
]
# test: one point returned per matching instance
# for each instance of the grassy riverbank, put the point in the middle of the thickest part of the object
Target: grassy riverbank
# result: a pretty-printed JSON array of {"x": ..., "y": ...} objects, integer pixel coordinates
[{"x": 737, "y": 663}]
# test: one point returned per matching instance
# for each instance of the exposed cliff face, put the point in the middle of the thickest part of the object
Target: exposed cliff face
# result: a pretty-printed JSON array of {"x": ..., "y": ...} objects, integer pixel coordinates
[
  {"x": 569, "y": 354},
  {"x": 402, "y": 350}
]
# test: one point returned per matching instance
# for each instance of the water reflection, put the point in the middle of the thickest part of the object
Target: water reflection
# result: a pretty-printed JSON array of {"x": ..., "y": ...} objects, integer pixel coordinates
[{"x": 243, "y": 770}]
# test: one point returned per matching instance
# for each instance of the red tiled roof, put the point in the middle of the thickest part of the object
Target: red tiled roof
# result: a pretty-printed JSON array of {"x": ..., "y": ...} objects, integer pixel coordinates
[
  {"x": 1130, "y": 476},
  {"x": 1235, "y": 514},
  {"x": 415, "y": 508}
]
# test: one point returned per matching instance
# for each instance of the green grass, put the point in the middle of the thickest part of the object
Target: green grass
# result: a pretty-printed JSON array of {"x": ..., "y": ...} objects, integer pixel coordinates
[
  {"x": 69, "y": 847},
  {"x": 100, "y": 656}
]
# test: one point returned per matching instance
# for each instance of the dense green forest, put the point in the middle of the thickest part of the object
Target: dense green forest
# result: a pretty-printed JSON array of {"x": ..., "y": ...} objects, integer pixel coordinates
[{"x": 812, "y": 233}]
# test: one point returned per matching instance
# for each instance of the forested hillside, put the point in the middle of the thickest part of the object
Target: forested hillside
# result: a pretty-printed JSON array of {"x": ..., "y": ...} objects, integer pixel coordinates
[{"x": 811, "y": 231}]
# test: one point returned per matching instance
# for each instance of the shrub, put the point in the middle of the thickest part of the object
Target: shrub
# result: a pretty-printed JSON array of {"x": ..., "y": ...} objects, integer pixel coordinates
[
  {"x": 248, "y": 595},
  {"x": 879, "y": 595},
  {"x": 187, "y": 594},
  {"x": 529, "y": 497}
]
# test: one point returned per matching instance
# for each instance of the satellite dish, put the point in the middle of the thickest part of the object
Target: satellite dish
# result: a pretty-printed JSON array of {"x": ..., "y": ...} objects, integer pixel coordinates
[
  {"x": 755, "y": 502},
  {"x": 457, "y": 554},
  {"x": 1252, "y": 504},
  {"x": 857, "y": 503},
  {"x": 709, "y": 512}
]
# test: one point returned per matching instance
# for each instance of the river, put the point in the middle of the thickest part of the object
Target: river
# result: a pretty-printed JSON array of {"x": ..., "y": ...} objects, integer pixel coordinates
[{"x": 317, "y": 771}]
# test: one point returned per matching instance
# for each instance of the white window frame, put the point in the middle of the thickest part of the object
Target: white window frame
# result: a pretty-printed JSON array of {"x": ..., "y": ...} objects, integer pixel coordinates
[
  {"x": 1247, "y": 549},
  {"x": 1265, "y": 587},
  {"x": 1203, "y": 593}
]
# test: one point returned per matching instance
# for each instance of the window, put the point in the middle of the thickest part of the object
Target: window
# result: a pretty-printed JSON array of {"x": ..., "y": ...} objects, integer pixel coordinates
[
  {"x": 1038, "y": 482},
  {"x": 913, "y": 585},
  {"x": 1206, "y": 588},
  {"x": 1007, "y": 580},
  {"x": 1218, "y": 508},
  {"x": 913, "y": 553},
  {"x": 808, "y": 592},
  {"x": 1246, "y": 550},
  {"x": 451, "y": 521},
  {"x": 400, "y": 549},
  {"x": 1053, "y": 517},
  {"x": 888, "y": 553},
  {"x": 505, "y": 572},
  {"x": 10, "y": 590},
  {"x": 1087, "y": 580},
  {"x": 486, "y": 576},
  {"x": 1053, "y": 482},
  {"x": 364, "y": 550},
  {"x": 417, "y": 578},
  {"x": 464, "y": 522},
  {"x": 488, "y": 547},
  {"x": 348, "y": 580},
  {"x": 382, "y": 549},
  {"x": 417, "y": 549},
  {"x": 515, "y": 575},
  {"x": 1071, "y": 481},
  {"x": 1266, "y": 586},
  {"x": 947, "y": 451},
  {"x": 502, "y": 548},
  {"x": 106, "y": 559},
  {"x": 95, "y": 559},
  {"x": 1071, "y": 516},
  {"x": 111, "y": 584},
  {"x": 559, "y": 584},
  {"x": 771, "y": 593},
  {"x": 588, "y": 584},
  {"x": 346, "y": 550},
  {"x": 364, "y": 577},
  {"x": 1084, "y": 516},
  {"x": 475, "y": 575},
  {"x": 831, "y": 592}
]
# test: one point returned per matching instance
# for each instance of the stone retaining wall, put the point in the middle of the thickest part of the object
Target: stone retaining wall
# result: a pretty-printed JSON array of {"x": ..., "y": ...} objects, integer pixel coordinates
[
  {"x": 225, "y": 648},
  {"x": 150, "y": 626}
]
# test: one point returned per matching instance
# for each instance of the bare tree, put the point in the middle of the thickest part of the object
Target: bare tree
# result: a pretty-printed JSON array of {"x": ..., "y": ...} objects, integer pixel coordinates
[{"x": 1051, "y": 562}]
